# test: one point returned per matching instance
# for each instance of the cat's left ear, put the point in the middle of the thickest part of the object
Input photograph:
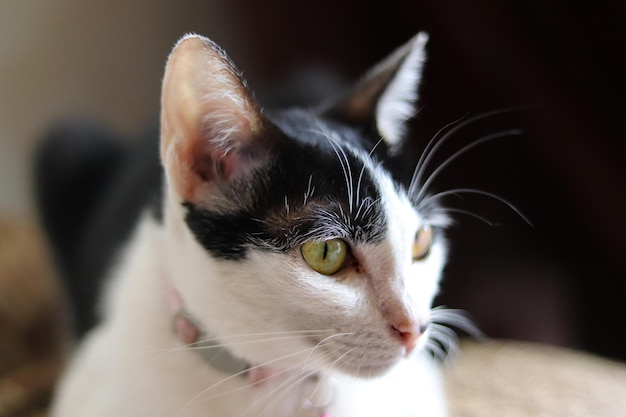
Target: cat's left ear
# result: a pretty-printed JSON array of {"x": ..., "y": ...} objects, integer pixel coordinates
[{"x": 387, "y": 95}]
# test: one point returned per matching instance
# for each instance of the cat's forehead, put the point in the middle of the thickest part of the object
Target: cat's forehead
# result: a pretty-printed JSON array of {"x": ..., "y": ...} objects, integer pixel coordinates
[
  {"x": 309, "y": 128},
  {"x": 320, "y": 184}
]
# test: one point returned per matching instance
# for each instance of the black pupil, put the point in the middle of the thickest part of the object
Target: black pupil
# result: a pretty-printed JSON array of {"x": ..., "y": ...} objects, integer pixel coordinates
[{"x": 325, "y": 250}]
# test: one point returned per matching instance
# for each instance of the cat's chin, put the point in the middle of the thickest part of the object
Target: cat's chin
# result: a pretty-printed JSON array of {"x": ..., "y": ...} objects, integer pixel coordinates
[
  {"x": 365, "y": 369},
  {"x": 366, "y": 372},
  {"x": 372, "y": 371}
]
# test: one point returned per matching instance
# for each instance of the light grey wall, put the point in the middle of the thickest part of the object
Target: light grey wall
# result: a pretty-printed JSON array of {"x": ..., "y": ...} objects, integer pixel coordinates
[{"x": 74, "y": 57}]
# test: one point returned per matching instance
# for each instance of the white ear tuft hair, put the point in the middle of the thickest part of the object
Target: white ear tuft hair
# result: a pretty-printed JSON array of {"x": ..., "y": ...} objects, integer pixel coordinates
[{"x": 397, "y": 103}]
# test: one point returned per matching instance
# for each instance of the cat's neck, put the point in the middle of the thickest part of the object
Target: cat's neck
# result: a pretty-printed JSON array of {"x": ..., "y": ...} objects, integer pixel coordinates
[
  {"x": 192, "y": 335},
  {"x": 189, "y": 331}
]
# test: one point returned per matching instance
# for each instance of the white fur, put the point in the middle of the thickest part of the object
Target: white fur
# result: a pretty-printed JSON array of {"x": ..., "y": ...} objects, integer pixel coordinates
[{"x": 397, "y": 103}]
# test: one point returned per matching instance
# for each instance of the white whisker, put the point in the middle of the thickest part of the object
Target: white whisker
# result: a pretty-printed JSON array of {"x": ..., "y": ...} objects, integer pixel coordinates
[
  {"x": 443, "y": 340},
  {"x": 428, "y": 153},
  {"x": 343, "y": 160},
  {"x": 290, "y": 382},
  {"x": 202, "y": 393},
  {"x": 199, "y": 345},
  {"x": 309, "y": 190},
  {"x": 435, "y": 349},
  {"x": 223, "y": 341},
  {"x": 438, "y": 140},
  {"x": 322, "y": 342},
  {"x": 358, "y": 184},
  {"x": 447, "y": 210},
  {"x": 427, "y": 200},
  {"x": 498, "y": 135},
  {"x": 456, "y": 318}
]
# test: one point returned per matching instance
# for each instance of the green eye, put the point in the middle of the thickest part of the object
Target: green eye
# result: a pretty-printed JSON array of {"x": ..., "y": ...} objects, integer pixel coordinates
[
  {"x": 326, "y": 256},
  {"x": 423, "y": 242}
]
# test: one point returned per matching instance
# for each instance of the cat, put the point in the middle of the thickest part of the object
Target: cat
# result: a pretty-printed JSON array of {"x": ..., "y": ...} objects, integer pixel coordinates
[{"x": 285, "y": 271}]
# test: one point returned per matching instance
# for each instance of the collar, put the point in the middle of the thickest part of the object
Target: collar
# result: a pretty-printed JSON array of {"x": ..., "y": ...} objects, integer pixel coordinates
[
  {"x": 191, "y": 334},
  {"x": 188, "y": 331}
]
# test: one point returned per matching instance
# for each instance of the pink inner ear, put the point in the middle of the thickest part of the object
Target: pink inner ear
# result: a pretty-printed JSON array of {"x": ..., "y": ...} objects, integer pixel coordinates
[
  {"x": 231, "y": 164},
  {"x": 204, "y": 162},
  {"x": 211, "y": 164}
]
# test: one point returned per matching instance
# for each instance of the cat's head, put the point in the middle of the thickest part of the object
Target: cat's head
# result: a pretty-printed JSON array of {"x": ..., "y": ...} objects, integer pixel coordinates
[{"x": 289, "y": 238}]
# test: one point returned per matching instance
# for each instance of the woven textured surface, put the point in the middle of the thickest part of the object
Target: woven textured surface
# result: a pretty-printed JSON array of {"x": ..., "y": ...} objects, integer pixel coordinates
[
  {"x": 33, "y": 335},
  {"x": 514, "y": 379}
]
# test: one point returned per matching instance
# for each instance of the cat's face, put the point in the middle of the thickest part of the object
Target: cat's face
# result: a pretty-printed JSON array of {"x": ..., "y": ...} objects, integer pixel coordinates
[{"x": 291, "y": 241}]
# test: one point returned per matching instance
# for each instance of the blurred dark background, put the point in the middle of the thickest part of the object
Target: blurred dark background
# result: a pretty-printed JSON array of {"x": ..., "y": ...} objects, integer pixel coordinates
[{"x": 556, "y": 65}]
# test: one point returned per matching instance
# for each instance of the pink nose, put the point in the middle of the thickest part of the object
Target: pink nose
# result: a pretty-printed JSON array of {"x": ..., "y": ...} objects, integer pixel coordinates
[{"x": 409, "y": 334}]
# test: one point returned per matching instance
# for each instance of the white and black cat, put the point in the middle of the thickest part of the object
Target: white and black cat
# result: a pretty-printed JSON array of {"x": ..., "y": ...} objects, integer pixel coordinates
[{"x": 285, "y": 273}]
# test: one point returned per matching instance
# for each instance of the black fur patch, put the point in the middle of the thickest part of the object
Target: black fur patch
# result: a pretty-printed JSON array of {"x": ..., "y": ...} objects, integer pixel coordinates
[{"x": 315, "y": 187}]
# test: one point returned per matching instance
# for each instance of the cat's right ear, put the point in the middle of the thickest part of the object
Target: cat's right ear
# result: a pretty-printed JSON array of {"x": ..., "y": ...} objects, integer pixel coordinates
[
  {"x": 209, "y": 120},
  {"x": 386, "y": 97}
]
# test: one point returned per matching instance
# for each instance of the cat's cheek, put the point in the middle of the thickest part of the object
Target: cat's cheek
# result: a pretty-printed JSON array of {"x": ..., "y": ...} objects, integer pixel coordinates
[
  {"x": 422, "y": 280},
  {"x": 328, "y": 302}
]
